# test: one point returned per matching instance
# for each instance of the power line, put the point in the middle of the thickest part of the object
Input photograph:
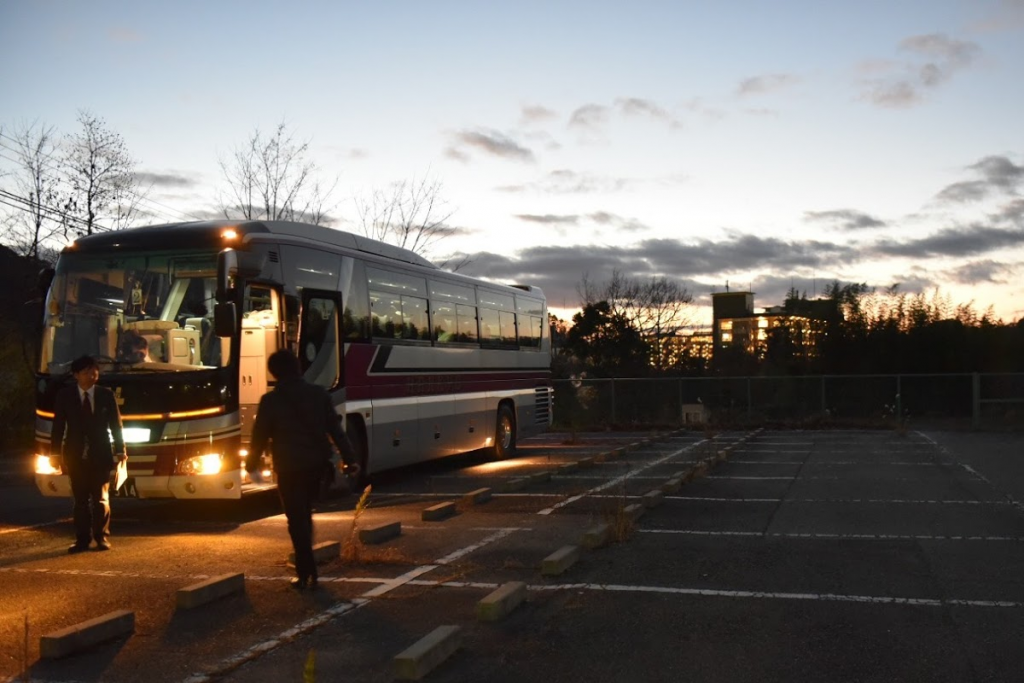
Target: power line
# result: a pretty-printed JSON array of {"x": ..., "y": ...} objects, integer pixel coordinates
[
  {"x": 143, "y": 200},
  {"x": 53, "y": 167},
  {"x": 29, "y": 206}
]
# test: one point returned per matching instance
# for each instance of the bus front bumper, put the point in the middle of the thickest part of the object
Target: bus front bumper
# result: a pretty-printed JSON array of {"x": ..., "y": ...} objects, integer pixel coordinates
[{"x": 224, "y": 485}]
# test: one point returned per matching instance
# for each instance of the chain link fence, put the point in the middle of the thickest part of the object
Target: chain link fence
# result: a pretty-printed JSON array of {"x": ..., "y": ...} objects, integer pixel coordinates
[{"x": 950, "y": 401}]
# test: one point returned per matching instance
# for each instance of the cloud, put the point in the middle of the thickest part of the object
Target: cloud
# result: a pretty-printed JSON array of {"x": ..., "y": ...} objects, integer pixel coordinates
[
  {"x": 589, "y": 116},
  {"x": 1011, "y": 213},
  {"x": 766, "y": 84},
  {"x": 1000, "y": 172},
  {"x": 958, "y": 241},
  {"x": 634, "y": 106},
  {"x": 998, "y": 175},
  {"x": 760, "y": 111},
  {"x": 490, "y": 141},
  {"x": 168, "y": 180},
  {"x": 931, "y": 60},
  {"x": 601, "y": 218},
  {"x": 548, "y": 219},
  {"x": 939, "y": 46},
  {"x": 977, "y": 272},
  {"x": 618, "y": 222},
  {"x": 964, "y": 191},
  {"x": 532, "y": 114},
  {"x": 1007, "y": 15},
  {"x": 564, "y": 181},
  {"x": 557, "y": 269},
  {"x": 847, "y": 219},
  {"x": 898, "y": 95}
]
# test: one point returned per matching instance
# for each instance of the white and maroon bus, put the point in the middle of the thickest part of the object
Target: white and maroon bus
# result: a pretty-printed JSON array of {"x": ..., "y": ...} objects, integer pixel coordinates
[{"x": 422, "y": 363}]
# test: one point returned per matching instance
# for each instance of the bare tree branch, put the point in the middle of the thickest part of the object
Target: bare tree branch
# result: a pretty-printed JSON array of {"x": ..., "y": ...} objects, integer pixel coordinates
[
  {"x": 37, "y": 187},
  {"x": 657, "y": 308},
  {"x": 271, "y": 178},
  {"x": 100, "y": 174},
  {"x": 410, "y": 214}
]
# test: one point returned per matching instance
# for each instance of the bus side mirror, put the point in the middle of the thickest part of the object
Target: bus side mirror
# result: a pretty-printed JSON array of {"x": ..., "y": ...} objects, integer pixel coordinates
[
  {"x": 225, "y": 320},
  {"x": 227, "y": 271}
]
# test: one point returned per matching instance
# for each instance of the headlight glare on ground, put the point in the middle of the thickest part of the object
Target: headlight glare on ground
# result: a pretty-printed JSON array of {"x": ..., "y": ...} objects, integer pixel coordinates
[{"x": 45, "y": 466}]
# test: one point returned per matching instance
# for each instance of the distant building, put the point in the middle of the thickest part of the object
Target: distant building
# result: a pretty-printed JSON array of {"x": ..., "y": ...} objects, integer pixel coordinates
[{"x": 736, "y": 325}]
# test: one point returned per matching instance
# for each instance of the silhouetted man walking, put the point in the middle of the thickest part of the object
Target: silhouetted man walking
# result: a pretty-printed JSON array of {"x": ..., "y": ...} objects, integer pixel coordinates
[{"x": 298, "y": 418}]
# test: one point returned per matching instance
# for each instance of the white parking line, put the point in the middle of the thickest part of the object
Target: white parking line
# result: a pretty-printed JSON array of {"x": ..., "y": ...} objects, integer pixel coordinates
[
  {"x": 856, "y": 537},
  {"x": 29, "y": 527},
  {"x": 762, "y": 478},
  {"x": 228, "y": 665},
  {"x": 619, "y": 480},
  {"x": 763, "y": 595},
  {"x": 409, "y": 578},
  {"x": 497, "y": 536},
  {"x": 873, "y": 501},
  {"x": 838, "y": 463}
]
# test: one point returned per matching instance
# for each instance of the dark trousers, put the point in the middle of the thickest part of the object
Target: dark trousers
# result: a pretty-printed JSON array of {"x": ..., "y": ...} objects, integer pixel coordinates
[
  {"x": 298, "y": 492},
  {"x": 91, "y": 512}
]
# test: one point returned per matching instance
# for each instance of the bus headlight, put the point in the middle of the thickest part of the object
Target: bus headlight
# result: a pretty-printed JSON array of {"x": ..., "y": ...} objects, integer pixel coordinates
[
  {"x": 211, "y": 463},
  {"x": 46, "y": 465}
]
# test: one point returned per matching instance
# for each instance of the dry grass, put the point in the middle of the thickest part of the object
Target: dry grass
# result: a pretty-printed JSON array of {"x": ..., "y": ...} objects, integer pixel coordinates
[
  {"x": 353, "y": 549},
  {"x": 309, "y": 670},
  {"x": 620, "y": 523}
]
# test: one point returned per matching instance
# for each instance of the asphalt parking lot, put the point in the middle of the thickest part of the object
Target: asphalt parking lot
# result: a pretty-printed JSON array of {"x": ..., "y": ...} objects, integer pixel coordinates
[{"x": 798, "y": 555}]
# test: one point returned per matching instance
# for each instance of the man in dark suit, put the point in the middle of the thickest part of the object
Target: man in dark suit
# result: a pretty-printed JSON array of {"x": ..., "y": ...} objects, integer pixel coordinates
[
  {"x": 85, "y": 421},
  {"x": 298, "y": 417}
]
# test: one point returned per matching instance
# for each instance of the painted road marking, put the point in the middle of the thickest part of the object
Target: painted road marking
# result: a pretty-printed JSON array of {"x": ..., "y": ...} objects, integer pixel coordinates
[
  {"x": 409, "y": 578},
  {"x": 41, "y": 525},
  {"x": 859, "y": 537},
  {"x": 873, "y": 501},
  {"x": 619, "y": 480},
  {"x": 763, "y": 595}
]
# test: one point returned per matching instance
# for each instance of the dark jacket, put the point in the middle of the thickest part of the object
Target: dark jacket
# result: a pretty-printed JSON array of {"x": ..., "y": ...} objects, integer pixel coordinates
[
  {"x": 71, "y": 430},
  {"x": 297, "y": 418}
]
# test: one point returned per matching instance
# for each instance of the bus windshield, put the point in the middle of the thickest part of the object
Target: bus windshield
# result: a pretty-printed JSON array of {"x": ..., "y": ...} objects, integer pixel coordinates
[{"x": 148, "y": 312}]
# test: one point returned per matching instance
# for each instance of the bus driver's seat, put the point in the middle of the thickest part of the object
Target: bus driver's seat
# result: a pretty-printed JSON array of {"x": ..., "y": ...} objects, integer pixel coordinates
[{"x": 205, "y": 329}]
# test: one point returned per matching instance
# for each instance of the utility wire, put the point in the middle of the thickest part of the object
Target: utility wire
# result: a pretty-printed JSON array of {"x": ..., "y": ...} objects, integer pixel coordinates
[
  {"x": 53, "y": 167},
  {"x": 142, "y": 199},
  {"x": 30, "y": 206}
]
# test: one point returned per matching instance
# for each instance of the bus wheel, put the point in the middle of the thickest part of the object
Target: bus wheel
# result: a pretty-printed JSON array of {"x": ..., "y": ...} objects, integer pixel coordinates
[
  {"x": 357, "y": 435},
  {"x": 505, "y": 434}
]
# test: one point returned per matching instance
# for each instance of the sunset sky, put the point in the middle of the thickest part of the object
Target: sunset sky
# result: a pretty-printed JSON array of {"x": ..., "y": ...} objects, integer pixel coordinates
[{"x": 766, "y": 145}]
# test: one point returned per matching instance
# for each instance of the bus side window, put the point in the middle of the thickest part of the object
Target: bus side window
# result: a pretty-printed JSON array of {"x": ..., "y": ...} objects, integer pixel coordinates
[
  {"x": 414, "y": 316},
  {"x": 490, "y": 327},
  {"x": 467, "y": 323},
  {"x": 445, "y": 326}
]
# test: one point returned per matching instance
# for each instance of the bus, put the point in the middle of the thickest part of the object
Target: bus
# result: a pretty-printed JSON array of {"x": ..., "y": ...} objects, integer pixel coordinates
[{"x": 420, "y": 362}]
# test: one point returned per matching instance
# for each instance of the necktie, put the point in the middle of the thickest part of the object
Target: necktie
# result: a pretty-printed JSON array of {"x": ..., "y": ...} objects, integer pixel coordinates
[{"x": 87, "y": 413}]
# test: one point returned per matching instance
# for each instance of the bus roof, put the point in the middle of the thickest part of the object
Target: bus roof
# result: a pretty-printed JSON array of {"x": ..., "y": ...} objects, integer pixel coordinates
[{"x": 211, "y": 234}]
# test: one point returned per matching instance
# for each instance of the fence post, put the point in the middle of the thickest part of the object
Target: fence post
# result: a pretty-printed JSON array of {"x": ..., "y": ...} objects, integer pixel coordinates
[
  {"x": 681, "y": 418},
  {"x": 750, "y": 407},
  {"x": 614, "y": 421},
  {"x": 824, "y": 400},
  {"x": 975, "y": 401},
  {"x": 899, "y": 399}
]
